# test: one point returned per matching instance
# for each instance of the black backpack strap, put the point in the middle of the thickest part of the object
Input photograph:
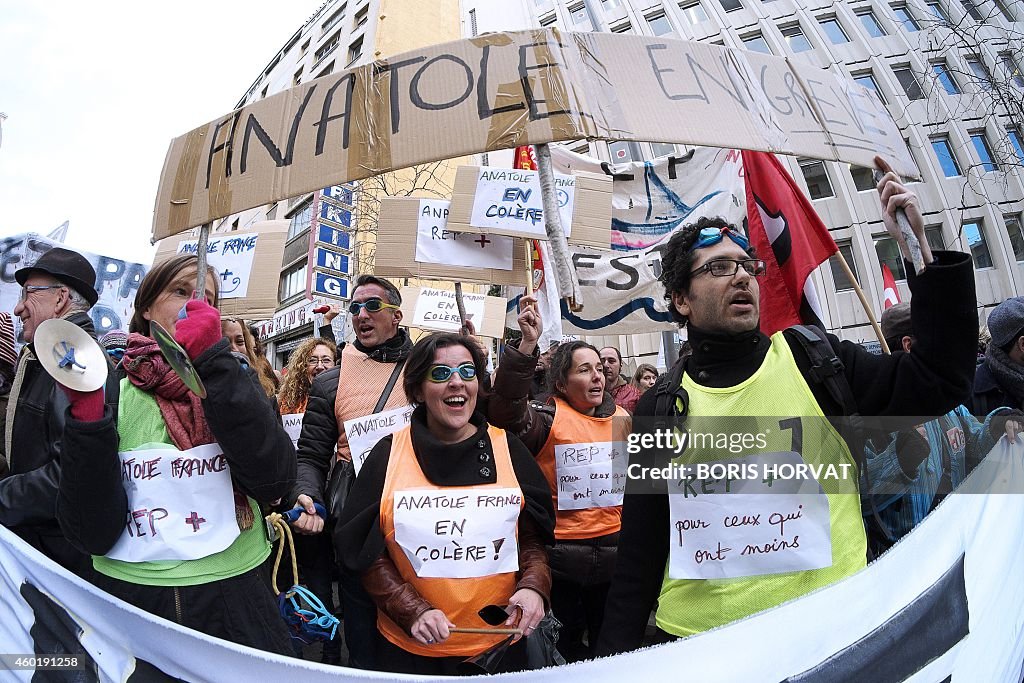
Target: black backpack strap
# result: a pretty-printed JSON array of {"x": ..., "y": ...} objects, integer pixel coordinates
[
  {"x": 384, "y": 395},
  {"x": 668, "y": 388}
]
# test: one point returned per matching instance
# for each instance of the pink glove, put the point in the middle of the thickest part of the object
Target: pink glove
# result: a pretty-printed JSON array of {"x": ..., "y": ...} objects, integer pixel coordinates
[
  {"x": 199, "y": 329},
  {"x": 86, "y": 406}
]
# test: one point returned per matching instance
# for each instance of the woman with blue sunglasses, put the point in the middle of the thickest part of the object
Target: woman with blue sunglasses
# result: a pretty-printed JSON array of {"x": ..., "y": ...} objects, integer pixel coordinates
[{"x": 449, "y": 515}]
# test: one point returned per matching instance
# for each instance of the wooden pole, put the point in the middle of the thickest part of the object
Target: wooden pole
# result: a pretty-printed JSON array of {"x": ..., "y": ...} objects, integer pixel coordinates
[
  {"x": 561, "y": 263},
  {"x": 529, "y": 267},
  {"x": 490, "y": 631},
  {"x": 863, "y": 302},
  {"x": 204, "y": 239},
  {"x": 461, "y": 304}
]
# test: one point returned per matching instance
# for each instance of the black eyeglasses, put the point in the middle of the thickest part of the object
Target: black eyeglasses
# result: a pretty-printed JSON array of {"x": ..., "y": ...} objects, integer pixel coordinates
[
  {"x": 728, "y": 267},
  {"x": 442, "y": 373},
  {"x": 371, "y": 305}
]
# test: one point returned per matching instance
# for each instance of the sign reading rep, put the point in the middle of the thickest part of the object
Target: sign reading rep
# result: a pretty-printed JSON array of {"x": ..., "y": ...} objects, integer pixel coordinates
[
  {"x": 435, "y": 244},
  {"x": 501, "y": 90},
  {"x": 509, "y": 202},
  {"x": 739, "y": 526},
  {"x": 460, "y": 533},
  {"x": 181, "y": 505},
  {"x": 590, "y": 475}
]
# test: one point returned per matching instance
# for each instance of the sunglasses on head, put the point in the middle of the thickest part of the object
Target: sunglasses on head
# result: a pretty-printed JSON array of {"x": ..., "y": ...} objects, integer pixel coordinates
[
  {"x": 709, "y": 236},
  {"x": 372, "y": 305},
  {"x": 442, "y": 373}
]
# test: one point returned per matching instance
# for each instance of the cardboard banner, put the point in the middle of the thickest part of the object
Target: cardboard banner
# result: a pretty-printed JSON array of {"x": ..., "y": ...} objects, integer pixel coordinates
[
  {"x": 249, "y": 265},
  {"x": 501, "y": 90},
  {"x": 943, "y": 604},
  {"x": 116, "y": 281},
  {"x": 232, "y": 255},
  {"x": 421, "y": 246},
  {"x": 650, "y": 200},
  {"x": 513, "y": 197},
  {"x": 458, "y": 534},
  {"x": 435, "y": 309}
]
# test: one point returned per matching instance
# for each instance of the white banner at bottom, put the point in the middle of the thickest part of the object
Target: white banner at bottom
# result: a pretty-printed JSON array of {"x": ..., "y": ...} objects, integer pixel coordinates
[{"x": 946, "y": 601}]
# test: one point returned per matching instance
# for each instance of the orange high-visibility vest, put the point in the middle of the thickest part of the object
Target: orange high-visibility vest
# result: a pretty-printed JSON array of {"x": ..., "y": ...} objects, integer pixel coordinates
[
  {"x": 573, "y": 427},
  {"x": 460, "y": 599},
  {"x": 360, "y": 383}
]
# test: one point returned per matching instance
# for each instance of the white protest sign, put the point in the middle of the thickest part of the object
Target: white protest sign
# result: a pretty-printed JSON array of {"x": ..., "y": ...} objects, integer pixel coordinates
[
  {"x": 181, "y": 505},
  {"x": 232, "y": 256},
  {"x": 293, "y": 426},
  {"x": 736, "y": 522},
  {"x": 510, "y": 200},
  {"x": 436, "y": 245},
  {"x": 590, "y": 475},
  {"x": 460, "y": 533},
  {"x": 436, "y": 310},
  {"x": 364, "y": 432}
]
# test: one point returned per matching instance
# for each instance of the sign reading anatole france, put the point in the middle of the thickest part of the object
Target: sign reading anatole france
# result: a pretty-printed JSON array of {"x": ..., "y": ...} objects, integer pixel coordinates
[{"x": 506, "y": 89}]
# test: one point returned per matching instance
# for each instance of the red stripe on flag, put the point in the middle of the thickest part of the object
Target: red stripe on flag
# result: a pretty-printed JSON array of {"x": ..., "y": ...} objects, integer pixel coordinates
[
  {"x": 890, "y": 293},
  {"x": 525, "y": 161},
  {"x": 774, "y": 198}
]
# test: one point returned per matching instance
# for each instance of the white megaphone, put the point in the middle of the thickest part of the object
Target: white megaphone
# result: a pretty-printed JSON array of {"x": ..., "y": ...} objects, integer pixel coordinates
[{"x": 70, "y": 355}]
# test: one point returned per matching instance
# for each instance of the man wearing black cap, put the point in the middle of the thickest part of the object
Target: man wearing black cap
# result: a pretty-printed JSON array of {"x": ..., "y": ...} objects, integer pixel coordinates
[
  {"x": 999, "y": 381},
  {"x": 58, "y": 285}
]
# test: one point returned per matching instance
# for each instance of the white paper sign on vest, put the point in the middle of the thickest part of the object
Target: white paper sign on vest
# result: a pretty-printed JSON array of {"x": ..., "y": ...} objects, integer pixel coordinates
[
  {"x": 293, "y": 426},
  {"x": 590, "y": 475},
  {"x": 181, "y": 505},
  {"x": 364, "y": 432},
  {"x": 731, "y": 526},
  {"x": 459, "y": 533}
]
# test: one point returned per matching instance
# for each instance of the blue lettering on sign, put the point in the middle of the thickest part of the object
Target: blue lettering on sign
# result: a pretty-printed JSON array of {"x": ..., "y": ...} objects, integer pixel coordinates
[
  {"x": 335, "y": 214},
  {"x": 332, "y": 260},
  {"x": 329, "y": 285},
  {"x": 337, "y": 238},
  {"x": 340, "y": 192}
]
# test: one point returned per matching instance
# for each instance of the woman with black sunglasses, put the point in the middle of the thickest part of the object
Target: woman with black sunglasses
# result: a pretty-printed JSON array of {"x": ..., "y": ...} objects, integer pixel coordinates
[{"x": 449, "y": 515}]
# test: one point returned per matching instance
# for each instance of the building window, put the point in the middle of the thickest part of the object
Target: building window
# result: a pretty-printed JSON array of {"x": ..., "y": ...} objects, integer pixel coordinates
[
  {"x": 297, "y": 78},
  {"x": 623, "y": 28},
  {"x": 305, "y": 47},
  {"x": 1016, "y": 235},
  {"x": 933, "y": 236},
  {"x": 1014, "y": 136},
  {"x": 660, "y": 25},
  {"x": 905, "y": 18},
  {"x": 839, "y": 278},
  {"x": 355, "y": 50},
  {"x": 623, "y": 151},
  {"x": 971, "y": 8},
  {"x": 1004, "y": 10},
  {"x": 611, "y": 4},
  {"x": 1012, "y": 70},
  {"x": 988, "y": 162},
  {"x": 333, "y": 20},
  {"x": 580, "y": 18},
  {"x": 981, "y": 74},
  {"x": 694, "y": 13},
  {"x": 871, "y": 24},
  {"x": 939, "y": 12},
  {"x": 266, "y": 89},
  {"x": 834, "y": 31},
  {"x": 329, "y": 69},
  {"x": 756, "y": 43},
  {"x": 795, "y": 38},
  {"x": 361, "y": 17},
  {"x": 818, "y": 185},
  {"x": 944, "y": 153},
  {"x": 867, "y": 79},
  {"x": 663, "y": 149},
  {"x": 910, "y": 85},
  {"x": 301, "y": 219},
  {"x": 974, "y": 233},
  {"x": 327, "y": 48},
  {"x": 943, "y": 76},
  {"x": 862, "y": 178},
  {"x": 731, "y": 5},
  {"x": 549, "y": 21},
  {"x": 293, "y": 282},
  {"x": 888, "y": 252}
]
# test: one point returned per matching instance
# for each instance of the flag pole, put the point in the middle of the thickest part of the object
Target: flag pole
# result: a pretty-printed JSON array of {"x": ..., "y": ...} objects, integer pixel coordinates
[
  {"x": 863, "y": 302},
  {"x": 529, "y": 266}
]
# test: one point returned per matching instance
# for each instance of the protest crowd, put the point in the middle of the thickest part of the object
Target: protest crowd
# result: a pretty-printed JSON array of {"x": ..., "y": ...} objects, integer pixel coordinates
[{"x": 444, "y": 512}]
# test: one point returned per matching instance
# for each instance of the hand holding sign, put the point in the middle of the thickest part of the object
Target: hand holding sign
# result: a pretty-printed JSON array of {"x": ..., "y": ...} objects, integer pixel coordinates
[
  {"x": 530, "y": 323},
  {"x": 902, "y": 215}
]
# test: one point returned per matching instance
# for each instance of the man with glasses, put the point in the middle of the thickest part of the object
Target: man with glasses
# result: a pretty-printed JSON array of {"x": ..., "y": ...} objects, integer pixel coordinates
[
  {"x": 58, "y": 285},
  {"x": 368, "y": 381},
  {"x": 711, "y": 276}
]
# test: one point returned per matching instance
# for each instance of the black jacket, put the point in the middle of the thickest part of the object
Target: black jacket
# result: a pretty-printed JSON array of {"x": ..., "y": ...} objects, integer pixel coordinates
[
  {"x": 319, "y": 436},
  {"x": 932, "y": 379},
  {"x": 28, "y": 495},
  {"x": 92, "y": 505},
  {"x": 987, "y": 395}
]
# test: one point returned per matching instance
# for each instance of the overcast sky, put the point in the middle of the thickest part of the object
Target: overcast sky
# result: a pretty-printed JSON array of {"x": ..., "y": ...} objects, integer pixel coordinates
[{"x": 94, "y": 93}]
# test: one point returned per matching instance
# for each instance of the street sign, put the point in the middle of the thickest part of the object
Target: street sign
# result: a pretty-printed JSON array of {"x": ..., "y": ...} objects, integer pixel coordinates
[
  {"x": 328, "y": 285},
  {"x": 335, "y": 214},
  {"x": 333, "y": 236},
  {"x": 332, "y": 260},
  {"x": 340, "y": 193}
]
